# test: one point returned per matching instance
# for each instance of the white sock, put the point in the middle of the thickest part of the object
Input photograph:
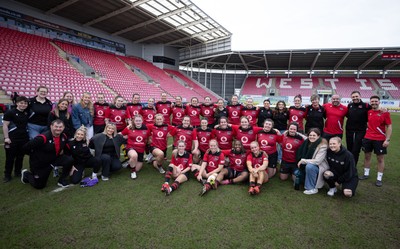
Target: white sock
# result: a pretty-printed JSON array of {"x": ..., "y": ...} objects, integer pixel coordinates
[
  {"x": 379, "y": 178},
  {"x": 366, "y": 171},
  {"x": 94, "y": 175}
]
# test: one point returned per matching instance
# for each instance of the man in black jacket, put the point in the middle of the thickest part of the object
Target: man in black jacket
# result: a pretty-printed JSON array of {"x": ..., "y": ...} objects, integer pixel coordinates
[
  {"x": 45, "y": 152},
  {"x": 356, "y": 125}
]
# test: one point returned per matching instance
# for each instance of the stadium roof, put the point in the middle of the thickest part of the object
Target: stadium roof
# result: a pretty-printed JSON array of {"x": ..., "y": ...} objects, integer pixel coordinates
[
  {"x": 178, "y": 23},
  {"x": 355, "y": 59}
]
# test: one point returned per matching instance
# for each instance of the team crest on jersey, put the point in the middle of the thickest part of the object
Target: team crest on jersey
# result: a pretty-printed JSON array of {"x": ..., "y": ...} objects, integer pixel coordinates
[
  {"x": 250, "y": 132},
  {"x": 229, "y": 133},
  {"x": 271, "y": 137},
  {"x": 165, "y": 128}
]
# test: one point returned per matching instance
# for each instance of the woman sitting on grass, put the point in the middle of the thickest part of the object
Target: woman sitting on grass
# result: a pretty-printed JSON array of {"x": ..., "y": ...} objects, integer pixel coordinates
[
  {"x": 312, "y": 154},
  {"x": 213, "y": 163},
  {"x": 80, "y": 152},
  {"x": 342, "y": 170},
  {"x": 179, "y": 168},
  {"x": 237, "y": 170},
  {"x": 257, "y": 163},
  {"x": 107, "y": 146}
]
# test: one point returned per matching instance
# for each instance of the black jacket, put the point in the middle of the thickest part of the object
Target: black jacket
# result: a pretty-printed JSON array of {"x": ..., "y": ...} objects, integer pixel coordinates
[
  {"x": 42, "y": 151},
  {"x": 79, "y": 150},
  {"x": 342, "y": 164},
  {"x": 357, "y": 116}
]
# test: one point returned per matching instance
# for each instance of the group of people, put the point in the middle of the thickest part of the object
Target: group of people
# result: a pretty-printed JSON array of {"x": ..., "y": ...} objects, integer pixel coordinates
[{"x": 218, "y": 144}]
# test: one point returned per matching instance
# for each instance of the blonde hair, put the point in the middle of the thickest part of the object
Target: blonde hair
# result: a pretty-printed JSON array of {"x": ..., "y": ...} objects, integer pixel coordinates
[
  {"x": 90, "y": 105},
  {"x": 108, "y": 125},
  {"x": 82, "y": 129}
]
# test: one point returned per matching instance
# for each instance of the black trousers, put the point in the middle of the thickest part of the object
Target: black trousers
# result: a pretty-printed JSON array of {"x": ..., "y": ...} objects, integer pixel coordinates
[
  {"x": 351, "y": 184},
  {"x": 93, "y": 162},
  {"x": 354, "y": 143},
  {"x": 40, "y": 174},
  {"x": 15, "y": 155},
  {"x": 109, "y": 164}
]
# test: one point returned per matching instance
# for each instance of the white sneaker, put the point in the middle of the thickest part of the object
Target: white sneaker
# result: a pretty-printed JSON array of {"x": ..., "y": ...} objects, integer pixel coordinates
[
  {"x": 125, "y": 164},
  {"x": 311, "y": 191},
  {"x": 161, "y": 170},
  {"x": 332, "y": 191},
  {"x": 149, "y": 158},
  {"x": 105, "y": 178},
  {"x": 133, "y": 175}
]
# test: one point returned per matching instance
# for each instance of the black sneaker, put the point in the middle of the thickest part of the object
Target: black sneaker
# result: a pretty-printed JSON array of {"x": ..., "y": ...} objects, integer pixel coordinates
[
  {"x": 24, "y": 177},
  {"x": 378, "y": 183},
  {"x": 6, "y": 178},
  {"x": 63, "y": 183},
  {"x": 363, "y": 177}
]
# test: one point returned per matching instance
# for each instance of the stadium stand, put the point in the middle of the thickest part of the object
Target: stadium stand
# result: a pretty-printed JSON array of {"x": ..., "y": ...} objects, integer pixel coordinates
[
  {"x": 113, "y": 72},
  {"x": 392, "y": 85},
  {"x": 345, "y": 85},
  {"x": 160, "y": 77},
  {"x": 202, "y": 91},
  {"x": 257, "y": 85},
  {"x": 28, "y": 61}
]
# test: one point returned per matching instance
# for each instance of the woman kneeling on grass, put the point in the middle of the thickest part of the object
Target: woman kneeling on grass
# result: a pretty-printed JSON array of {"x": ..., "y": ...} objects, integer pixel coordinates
[
  {"x": 212, "y": 164},
  {"x": 342, "y": 170},
  {"x": 138, "y": 135},
  {"x": 237, "y": 170},
  {"x": 257, "y": 163},
  {"x": 312, "y": 154},
  {"x": 179, "y": 168},
  {"x": 80, "y": 152}
]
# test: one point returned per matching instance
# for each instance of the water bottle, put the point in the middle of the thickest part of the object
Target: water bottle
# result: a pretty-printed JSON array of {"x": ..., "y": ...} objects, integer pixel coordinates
[{"x": 297, "y": 180}]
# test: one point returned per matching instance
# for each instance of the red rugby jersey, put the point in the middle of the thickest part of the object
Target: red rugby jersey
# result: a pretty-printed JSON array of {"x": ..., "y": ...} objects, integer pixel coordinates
[
  {"x": 178, "y": 112},
  {"x": 207, "y": 111},
  {"x": 213, "y": 160},
  {"x": 257, "y": 161},
  {"x": 133, "y": 109},
  {"x": 204, "y": 137},
  {"x": 194, "y": 113},
  {"x": 185, "y": 134},
  {"x": 297, "y": 115},
  {"x": 165, "y": 109},
  {"x": 137, "y": 138},
  {"x": 289, "y": 147},
  {"x": 159, "y": 135},
  {"x": 234, "y": 112},
  {"x": 99, "y": 113},
  {"x": 237, "y": 161},
  {"x": 251, "y": 114},
  {"x": 182, "y": 162},
  {"x": 377, "y": 122},
  {"x": 224, "y": 137},
  {"x": 268, "y": 140},
  {"x": 334, "y": 118},
  {"x": 117, "y": 116},
  {"x": 148, "y": 115},
  {"x": 246, "y": 136}
]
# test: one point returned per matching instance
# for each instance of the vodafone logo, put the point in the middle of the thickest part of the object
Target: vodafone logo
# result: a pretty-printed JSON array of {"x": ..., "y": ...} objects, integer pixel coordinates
[
  {"x": 257, "y": 166},
  {"x": 211, "y": 164},
  {"x": 234, "y": 113},
  {"x": 295, "y": 118},
  {"x": 165, "y": 111},
  {"x": 207, "y": 112},
  {"x": 179, "y": 114},
  {"x": 118, "y": 118},
  {"x": 139, "y": 139},
  {"x": 244, "y": 140},
  {"x": 194, "y": 112},
  {"x": 182, "y": 137},
  {"x": 160, "y": 134},
  {"x": 100, "y": 112},
  {"x": 289, "y": 146},
  {"x": 264, "y": 142},
  {"x": 203, "y": 139},
  {"x": 180, "y": 166},
  {"x": 250, "y": 117},
  {"x": 150, "y": 116},
  {"x": 224, "y": 139},
  {"x": 238, "y": 161},
  {"x": 135, "y": 112}
]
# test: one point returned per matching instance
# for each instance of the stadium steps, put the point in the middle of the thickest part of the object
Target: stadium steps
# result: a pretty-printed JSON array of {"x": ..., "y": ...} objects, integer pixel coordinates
[
  {"x": 4, "y": 98},
  {"x": 378, "y": 89},
  {"x": 137, "y": 72}
]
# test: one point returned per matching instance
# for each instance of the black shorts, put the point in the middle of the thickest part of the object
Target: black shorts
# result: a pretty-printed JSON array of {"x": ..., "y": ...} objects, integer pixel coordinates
[
  {"x": 153, "y": 148},
  {"x": 288, "y": 168},
  {"x": 377, "y": 146},
  {"x": 140, "y": 155},
  {"x": 233, "y": 173},
  {"x": 273, "y": 160}
]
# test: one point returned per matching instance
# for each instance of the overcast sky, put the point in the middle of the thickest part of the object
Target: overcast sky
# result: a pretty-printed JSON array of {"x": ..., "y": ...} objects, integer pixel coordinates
[{"x": 296, "y": 24}]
